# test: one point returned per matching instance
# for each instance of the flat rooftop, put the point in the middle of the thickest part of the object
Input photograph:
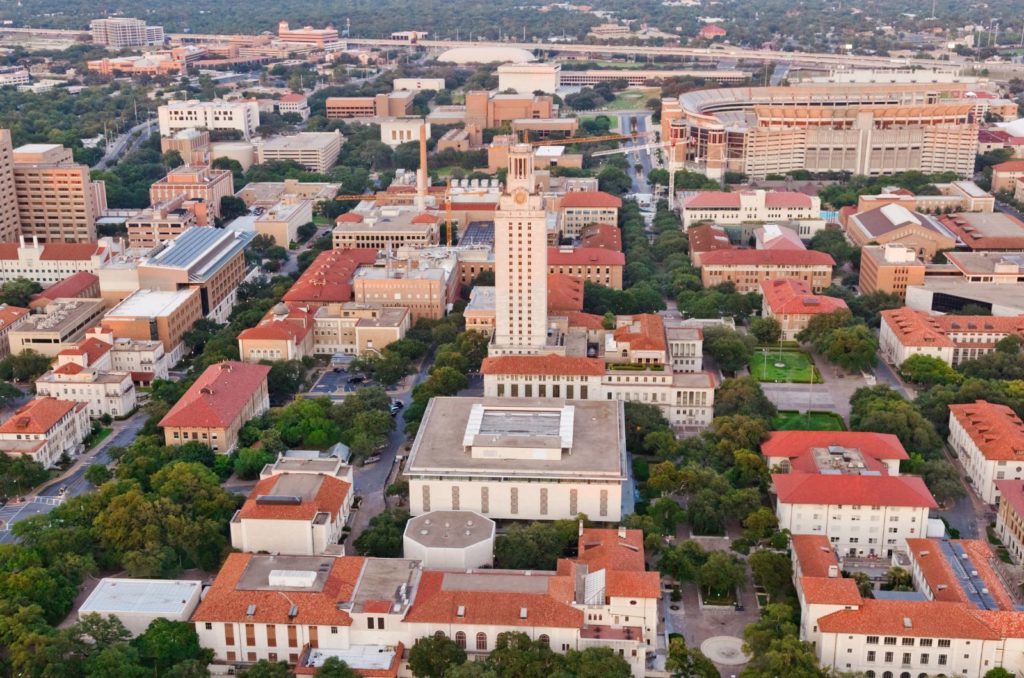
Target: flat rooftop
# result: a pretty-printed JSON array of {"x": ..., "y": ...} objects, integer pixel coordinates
[
  {"x": 60, "y": 315},
  {"x": 596, "y": 435},
  {"x": 383, "y": 580},
  {"x": 258, "y": 572},
  {"x": 152, "y": 303},
  {"x": 497, "y": 582},
  {"x": 382, "y": 273},
  {"x": 358, "y": 657},
  {"x": 199, "y": 250},
  {"x": 482, "y": 298},
  {"x": 449, "y": 529},
  {"x": 997, "y": 294},
  {"x": 164, "y": 596},
  {"x": 984, "y": 262},
  {"x": 303, "y": 141},
  {"x": 302, "y": 485}
]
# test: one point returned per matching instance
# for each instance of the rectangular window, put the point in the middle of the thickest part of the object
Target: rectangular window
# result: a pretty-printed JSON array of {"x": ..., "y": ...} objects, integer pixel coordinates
[
  {"x": 229, "y": 634},
  {"x": 250, "y": 634},
  {"x": 292, "y": 637},
  {"x": 942, "y": 660},
  {"x": 890, "y": 640},
  {"x": 271, "y": 635},
  {"x": 943, "y": 642},
  {"x": 888, "y": 657}
]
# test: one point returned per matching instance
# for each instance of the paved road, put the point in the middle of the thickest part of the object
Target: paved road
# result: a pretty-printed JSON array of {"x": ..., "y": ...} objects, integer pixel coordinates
[
  {"x": 1009, "y": 209},
  {"x": 642, "y": 157},
  {"x": 126, "y": 143}
]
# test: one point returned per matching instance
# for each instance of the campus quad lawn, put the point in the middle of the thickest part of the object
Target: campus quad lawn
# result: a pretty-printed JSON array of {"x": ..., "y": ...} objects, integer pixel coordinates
[
  {"x": 797, "y": 367},
  {"x": 790, "y": 420}
]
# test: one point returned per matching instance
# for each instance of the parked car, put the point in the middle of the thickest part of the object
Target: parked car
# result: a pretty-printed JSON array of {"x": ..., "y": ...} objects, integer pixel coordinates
[
  {"x": 357, "y": 379},
  {"x": 397, "y": 403},
  {"x": 371, "y": 460}
]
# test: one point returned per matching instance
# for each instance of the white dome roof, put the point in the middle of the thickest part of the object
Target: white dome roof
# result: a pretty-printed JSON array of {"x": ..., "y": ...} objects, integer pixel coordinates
[
  {"x": 1015, "y": 128},
  {"x": 486, "y": 55}
]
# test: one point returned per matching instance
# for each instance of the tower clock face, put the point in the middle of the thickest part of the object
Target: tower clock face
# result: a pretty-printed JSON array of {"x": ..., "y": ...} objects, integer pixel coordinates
[{"x": 520, "y": 196}]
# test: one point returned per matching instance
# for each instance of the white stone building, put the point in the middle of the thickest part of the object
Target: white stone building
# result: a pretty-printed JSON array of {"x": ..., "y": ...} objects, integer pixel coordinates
[
  {"x": 45, "y": 429},
  {"x": 989, "y": 441}
]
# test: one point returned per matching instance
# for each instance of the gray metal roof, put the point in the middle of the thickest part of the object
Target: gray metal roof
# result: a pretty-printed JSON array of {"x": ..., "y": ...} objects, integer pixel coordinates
[{"x": 201, "y": 250}]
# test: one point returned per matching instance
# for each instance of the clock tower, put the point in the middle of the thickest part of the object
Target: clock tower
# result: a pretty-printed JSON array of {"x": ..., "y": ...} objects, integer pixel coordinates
[{"x": 520, "y": 261}]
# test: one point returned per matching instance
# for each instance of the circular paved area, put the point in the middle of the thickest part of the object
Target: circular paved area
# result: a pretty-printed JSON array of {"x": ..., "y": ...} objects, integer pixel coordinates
[{"x": 725, "y": 650}]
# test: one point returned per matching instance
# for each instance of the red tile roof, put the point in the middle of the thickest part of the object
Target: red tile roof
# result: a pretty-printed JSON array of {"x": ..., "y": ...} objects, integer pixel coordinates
[
  {"x": 926, "y": 619},
  {"x": 645, "y": 332},
  {"x": 11, "y": 314},
  {"x": 590, "y": 199},
  {"x": 767, "y": 258},
  {"x": 944, "y": 583},
  {"x": 918, "y": 328},
  {"x": 439, "y": 601},
  {"x": 38, "y": 415},
  {"x": 612, "y": 549},
  {"x": 225, "y": 601},
  {"x": 794, "y": 297},
  {"x": 329, "y": 278},
  {"x": 602, "y": 236},
  {"x": 857, "y": 490},
  {"x": 92, "y": 348},
  {"x": 1009, "y": 166},
  {"x": 708, "y": 238},
  {"x": 349, "y": 218},
  {"x": 814, "y": 554},
  {"x": 70, "y": 287},
  {"x": 830, "y": 590},
  {"x": 787, "y": 200},
  {"x": 585, "y": 320},
  {"x": 585, "y": 256},
  {"x": 625, "y": 584},
  {"x": 294, "y": 327},
  {"x": 713, "y": 200},
  {"x": 994, "y": 231},
  {"x": 798, "y": 445},
  {"x": 551, "y": 365},
  {"x": 293, "y": 98},
  {"x": 565, "y": 293},
  {"x": 330, "y": 498},
  {"x": 58, "y": 251},
  {"x": 1011, "y": 493},
  {"x": 995, "y": 429},
  {"x": 218, "y": 396}
]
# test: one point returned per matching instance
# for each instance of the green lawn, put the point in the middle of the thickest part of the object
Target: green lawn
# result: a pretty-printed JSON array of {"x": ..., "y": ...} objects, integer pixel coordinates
[
  {"x": 96, "y": 438},
  {"x": 790, "y": 420},
  {"x": 614, "y": 119},
  {"x": 797, "y": 367},
  {"x": 632, "y": 99}
]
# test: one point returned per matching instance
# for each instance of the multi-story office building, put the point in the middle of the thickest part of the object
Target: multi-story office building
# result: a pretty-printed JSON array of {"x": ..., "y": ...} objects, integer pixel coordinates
[
  {"x": 125, "y": 33},
  {"x": 45, "y": 429},
  {"x": 579, "y": 209},
  {"x": 103, "y": 392},
  {"x": 201, "y": 185},
  {"x": 217, "y": 405},
  {"x": 390, "y": 105},
  {"x": 316, "y": 151},
  {"x": 145, "y": 360},
  {"x": 857, "y": 128},
  {"x": 242, "y": 116},
  {"x": 952, "y": 339},
  {"x": 160, "y": 223},
  {"x": 989, "y": 441},
  {"x": 759, "y": 206},
  {"x": 492, "y": 109},
  {"x": 889, "y": 268},
  {"x": 329, "y": 278},
  {"x": 747, "y": 269},
  {"x": 154, "y": 315},
  {"x": 57, "y": 201},
  {"x": 210, "y": 260},
  {"x": 10, "y": 224},
  {"x": 61, "y": 325},
  {"x": 384, "y": 228},
  {"x": 426, "y": 292},
  {"x": 50, "y": 263},
  {"x": 307, "y": 35}
]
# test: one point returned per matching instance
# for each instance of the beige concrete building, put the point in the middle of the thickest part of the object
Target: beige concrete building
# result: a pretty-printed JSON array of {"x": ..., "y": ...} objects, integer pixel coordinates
[
  {"x": 418, "y": 84},
  {"x": 953, "y": 339},
  {"x": 284, "y": 333},
  {"x": 893, "y": 223},
  {"x": 209, "y": 260},
  {"x": 758, "y": 206},
  {"x": 57, "y": 201},
  {"x": 749, "y": 268},
  {"x": 144, "y": 360},
  {"x": 296, "y": 104},
  {"x": 354, "y": 328},
  {"x": 519, "y": 460},
  {"x": 217, "y": 405},
  {"x": 1006, "y": 176},
  {"x": 385, "y": 228},
  {"x": 397, "y": 131},
  {"x": 10, "y": 318},
  {"x": 160, "y": 223},
  {"x": 124, "y": 33},
  {"x": 45, "y": 429},
  {"x": 50, "y": 263},
  {"x": 61, "y": 325},
  {"x": 1010, "y": 517},
  {"x": 450, "y": 540},
  {"x": 242, "y": 116},
  {"x": 281, "y": 220},
  {"x": 10, "y": 223},
  {"x": 491, "y": 109},
  {"x": 391, "y": 105},
  {"x": 316, "y": 151},
  {"x": 274, "y": 191},
  {"x": 153, "y": 315},
  {"x": 202, "y": 184},
  {"x": 193, "y": 145},
  {"x": 583, "y": 208},
  {"x": 793, "y": 305},
  {"x": 103, "y": 392},
  {"x": 307, "y": 527},
  {"x": 424, "y": 291},
  {"x": 987, "y": 439},
  {"x": 889, "y": 268},
  {"x": 869, "y": 129},
  {"x": 529, "y": 78}
]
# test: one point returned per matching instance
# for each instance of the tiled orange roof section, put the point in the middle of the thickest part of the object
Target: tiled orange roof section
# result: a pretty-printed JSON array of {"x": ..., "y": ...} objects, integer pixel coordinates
[
  {"x": 37, "y": 416},
  {"x": 217, "y": 397},
  {"x": 995, "y": 429}
]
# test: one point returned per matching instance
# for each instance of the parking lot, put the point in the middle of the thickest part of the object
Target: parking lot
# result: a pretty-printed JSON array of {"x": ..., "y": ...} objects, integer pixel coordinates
[{"x": 336, "y": 384}]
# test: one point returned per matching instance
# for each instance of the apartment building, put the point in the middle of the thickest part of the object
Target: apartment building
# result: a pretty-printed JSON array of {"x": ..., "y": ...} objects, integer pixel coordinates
[
  {"x": 268, "y": 523},
  {"x": 385, "y": 228},
  {"x": 989, "y": 441},
  {"x": 329, "y": 278},
  {"x": 210, "y": 260},
  {"x": 758, "y": 206},
  {"x": 890, "y": 269},
  {"x": 747, "y": 269},
  {"x": 157, "y": 315},
  {"x": 1010, "y": 517},
  {"x": 583, "y": 208},
  {"x": 103, "y": 392},
  {"x": 602, "y": 598},
  {"x": 10, "y": 223},
  {"x": 124, "y": 33},
  {"x": 869, "y": 129},
  {"x": 242, "y": 116},
  {"x": 10, "y": 318},
  {"x": 958, "y": 620},
  {"x": 57, "y": 201},
  {"x": 224, "y": 397},
  {"x": 577, "y": 464},
  {"x": 200, "y": 184},
  {"x": 793, "y": 305},
  {"x": 390, "y": 105},
  {"x": 61, "y": 325},
  {"x": 316, "y": 151},
  {"x": 45, "y": 429},
  {"x": 952, "y": 339},
  {"x": 160, "y": 223}
]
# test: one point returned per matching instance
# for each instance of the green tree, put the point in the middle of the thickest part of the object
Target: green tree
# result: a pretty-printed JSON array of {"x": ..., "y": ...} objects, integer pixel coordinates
[
  {"x": 787, "y": 656},
  {"x": 822, "y": 325},
  {"x": 835, "y": 244},
  {"x": 721, "y": 573},
  {"x": 998, "y": 672},
  {"x": 172, "y": 159},
  {"x": 766, "y": 330},
  {"x": 730, "y": 349},
  {"x": 928, "y": 371},
  {"x": 743, "y": 396},
  {"x": 852, "y": 348},
  {"x": 250, "y": 461},
  {"x": 336, "y": 668},
  {"x": 97, "y": 474},
  {"x": 285, "y": 379},
  {"x": 596, "y": 662},
  {"x": 515, "y": 654},
  {"x": 534, "y": 546},
  {"x": 432, "y": 656},
  {"x": 1010, "y": 344},
  {"x": 688, "y": 662},
  {"x": 641, "y": 421},
  {"x": 167, "y": 643},
  {"x": 683, "y": 561},
  {"x": 19, "y": 291},
  {"x": 25, "y": 366},
  {"x": 898, "y": 579},
  {"x": 773, "y": 571},
  {"x": 267, "y": 669},
  {"x": 943, "y": 480},
  {"x": 383, "y": 536}
]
